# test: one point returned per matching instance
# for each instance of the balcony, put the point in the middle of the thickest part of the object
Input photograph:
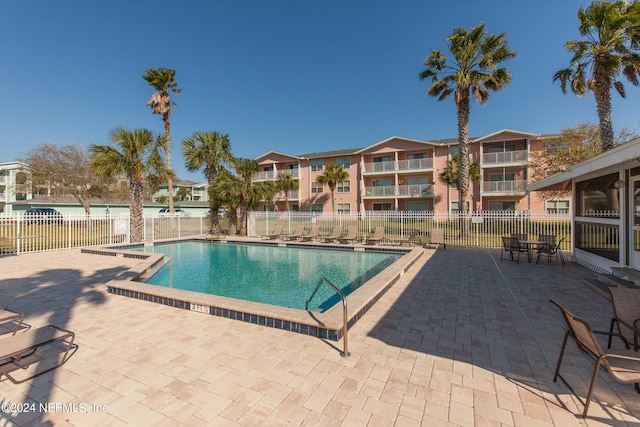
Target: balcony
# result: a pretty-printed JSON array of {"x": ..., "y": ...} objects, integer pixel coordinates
[
  {"x": 504, "y": 187},
  {"x": 399, "y": 191},
  {"x": 412, "y": 165},
  {"x": 505, "y": 158},
  {"x": 272, "y": 175},
  {"x": 293, "y": 195},
  {"x": 3, "y": 179}
]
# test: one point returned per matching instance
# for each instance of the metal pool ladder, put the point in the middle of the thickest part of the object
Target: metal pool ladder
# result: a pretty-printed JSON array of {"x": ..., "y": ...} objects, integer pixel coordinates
[{"x": 344, "y": 353}]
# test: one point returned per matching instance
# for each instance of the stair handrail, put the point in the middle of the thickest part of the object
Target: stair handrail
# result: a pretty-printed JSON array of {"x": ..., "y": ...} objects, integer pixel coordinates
[{"x": 345, "y": 352}]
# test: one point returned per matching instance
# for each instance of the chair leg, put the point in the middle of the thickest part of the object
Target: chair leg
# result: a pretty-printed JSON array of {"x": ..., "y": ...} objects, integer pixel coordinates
[
  {"x": 613, "y": 322},
  {"x": 593, "y": 383},
  {"x": 564, "y": 344}
]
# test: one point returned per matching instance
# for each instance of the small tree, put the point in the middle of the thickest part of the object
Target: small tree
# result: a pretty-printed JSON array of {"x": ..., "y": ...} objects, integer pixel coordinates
[
  {"x": 333, "y": 174},
  {"x": 285, "y": 182}
]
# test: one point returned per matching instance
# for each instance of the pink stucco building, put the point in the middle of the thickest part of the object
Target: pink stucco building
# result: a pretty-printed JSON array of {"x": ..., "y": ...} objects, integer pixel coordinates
[{"x": 403, "y": 174}]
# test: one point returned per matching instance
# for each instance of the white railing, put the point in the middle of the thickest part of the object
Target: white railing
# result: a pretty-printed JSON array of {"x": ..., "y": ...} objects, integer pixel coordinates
[
  {"x": 400, "y": 166},
  {"x": 505, "y": 157},
  {"x": 411, "y": 190},
  {"x": 476, "y": 229},
  {"x": 293, "y": 195},
  {"x": 504, "y": 186},
  {"x": 380, "y": 191},
  {"x": 272, "y": 175},
  {"x": 3, "y": 179},
  {"x": 380, "y": 167}
]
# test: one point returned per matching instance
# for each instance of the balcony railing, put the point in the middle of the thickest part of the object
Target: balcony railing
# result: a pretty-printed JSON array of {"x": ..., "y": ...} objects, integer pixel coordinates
[
  {"x": 413, "y": 190},
  {"x": 399, "y": 166},
  {"x": 506, "y": 157},
  {"x": 272, "y": 175},
  {"x": 504, "y": 186},
  {"x": 293, "y": 195}
]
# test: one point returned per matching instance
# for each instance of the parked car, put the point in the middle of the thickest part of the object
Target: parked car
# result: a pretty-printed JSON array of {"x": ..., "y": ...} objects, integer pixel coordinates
[
  {"x": 176, "y": 212},
  {"x": 43, "y": 215}
]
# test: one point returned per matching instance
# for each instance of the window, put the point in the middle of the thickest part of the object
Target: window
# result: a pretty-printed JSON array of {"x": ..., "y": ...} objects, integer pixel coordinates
[
  {"x": 415, "y": 156},
  {"x": 557, "y": 206},
  {"x": 343, "y": 186},
  {"x": 598, "y": 197},
  {"x": 317, "y": 165},
  {"x": 344, "y": 208},
  {"x": 455, "y": 206},
  {"x": 345, "y": 162},
  {"x": 316, "y": 188},
  {"x": 417, "y": 206},
  {"x": 317, "y": 207},
  {"x": 502, "y": 205},
  {"x": 381, "y": 159},
  {"x": 382, "y": 206},
  {"x": 295, "y": 208}
]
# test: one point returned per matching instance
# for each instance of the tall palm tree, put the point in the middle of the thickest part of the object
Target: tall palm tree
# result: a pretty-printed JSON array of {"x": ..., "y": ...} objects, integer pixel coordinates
[
  {"x": 227, "y": 189},
  {"x": 332, "y": 175},
  {"x": 286, "y": 182},
  {"x": 161, "y": 79},
  {"x": 208, "y": 150},
  {"x": 610, "y": 49},
  {"x": 138, "y": 156},
  {"x": 473, "y": 70}
]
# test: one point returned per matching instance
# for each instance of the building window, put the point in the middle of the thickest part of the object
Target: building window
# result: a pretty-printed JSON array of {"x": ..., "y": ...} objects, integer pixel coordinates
[
  {"x": 557, "y": 207},
  {"x": 316, "y": 188},
  {"x": 598, "y": 197},
  {"x": 344, "y": 208},
  {"x": 317, "y": 165},
  {"x": 382, "y": 207},
  {"x": 455, "y": 206},
  {"x": 502, "y": 205},
  {"x": 295, "y": 208},
  {"x": 317, "y": 207},
  {"x": 343, "y": 186},
  {"x": 345, "y": 162}
]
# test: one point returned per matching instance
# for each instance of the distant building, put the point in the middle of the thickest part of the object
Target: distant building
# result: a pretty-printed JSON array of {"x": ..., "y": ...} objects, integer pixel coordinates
[
  {"x": 403, "y": 174},
  {"x": 13, "y": 185}
]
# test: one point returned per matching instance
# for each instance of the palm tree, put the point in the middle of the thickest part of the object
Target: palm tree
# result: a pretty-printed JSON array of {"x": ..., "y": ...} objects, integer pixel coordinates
[
  {"x": 451, "y": 173},
  {"x": 286, "y": 182},
  {"x": 332, "y": 175},
  {"x": 610, "y": 49},
  {"x": 472, "y": 70},
  {"x": 138, "y": 156},
  {"x": 251, "y": 194},
  {"x": 227, "y": 189},
  {"x": 208, "y": 150},
  {"x": 161, "y": 79}
]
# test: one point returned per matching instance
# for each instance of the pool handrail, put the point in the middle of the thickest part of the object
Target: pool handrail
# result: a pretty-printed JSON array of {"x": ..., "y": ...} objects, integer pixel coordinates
[{"x": 344, "y": 353}]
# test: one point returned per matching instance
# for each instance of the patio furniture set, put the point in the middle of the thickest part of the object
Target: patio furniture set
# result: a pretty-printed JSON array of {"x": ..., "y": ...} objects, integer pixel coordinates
[{"x": 545, "y": 245}]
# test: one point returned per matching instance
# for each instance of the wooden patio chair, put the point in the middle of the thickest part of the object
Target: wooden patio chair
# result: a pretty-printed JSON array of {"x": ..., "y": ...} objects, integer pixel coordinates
[
  {"x": 626, "y": 310},
  {"x": 622, "y": 365},
  {"x": 10, "y": 316},
  {"x": 16, "y": 348}
]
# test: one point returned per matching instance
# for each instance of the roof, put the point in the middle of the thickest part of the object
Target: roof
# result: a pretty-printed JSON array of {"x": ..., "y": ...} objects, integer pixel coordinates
[{"x": 623, "y": 155}]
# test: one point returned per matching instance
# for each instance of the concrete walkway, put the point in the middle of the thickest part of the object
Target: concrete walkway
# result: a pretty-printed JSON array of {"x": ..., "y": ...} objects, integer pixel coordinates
[{"x": 461, "y": 339}]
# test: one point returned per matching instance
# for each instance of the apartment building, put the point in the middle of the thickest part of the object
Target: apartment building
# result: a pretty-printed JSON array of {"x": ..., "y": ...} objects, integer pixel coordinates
[
  {"x": 13, "y": 178},
  {"x": 403, "y": 174}
]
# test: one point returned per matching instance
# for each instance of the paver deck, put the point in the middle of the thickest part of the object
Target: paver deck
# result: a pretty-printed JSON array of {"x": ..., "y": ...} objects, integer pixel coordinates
[{"x": 461, "y": 339}]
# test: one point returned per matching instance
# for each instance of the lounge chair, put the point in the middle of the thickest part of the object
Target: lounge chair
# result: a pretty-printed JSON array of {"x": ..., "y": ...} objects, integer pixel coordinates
[
  {"x": 15, "y": 348},
  {"x": 313, "y": 234},
  {"x": 411, "y": 239},
  {"x": 297, "y": 233},
  {"x": 335, "y": 234},
  {"x": 626, "y": 310},
  {"x": 352, "y": 234},
  {"x": 7, "y": 316},
  {"x": 378, "y": 236},
  {"x": 512, "y": 245},
  {"x": 622, "y": 365},
  {"x": 551, "y": 251},
  {"x": 277, "y": 231},
  {"x": 436, "y": 237}
]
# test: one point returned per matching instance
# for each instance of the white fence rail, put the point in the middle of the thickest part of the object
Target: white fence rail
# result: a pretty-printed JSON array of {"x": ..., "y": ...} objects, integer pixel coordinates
[{"x": 477, "y": 229}]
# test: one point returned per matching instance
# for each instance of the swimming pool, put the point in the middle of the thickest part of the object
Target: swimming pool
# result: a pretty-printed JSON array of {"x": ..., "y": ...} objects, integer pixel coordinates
[
  {"x": 323, "y": 324},
  {"x": 269, "y": 274}
]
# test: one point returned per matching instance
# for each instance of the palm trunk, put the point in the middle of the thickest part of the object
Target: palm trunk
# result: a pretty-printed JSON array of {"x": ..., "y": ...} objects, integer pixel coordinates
[
  {"x": 463, "y": 144},
  {"x": 242, "y": 218},
  {"x": 601, "y": 90},
  {"x": 233, "y": 220},
  {"x": 167, "y": 152},
  {"x": 136, "y": 220}
]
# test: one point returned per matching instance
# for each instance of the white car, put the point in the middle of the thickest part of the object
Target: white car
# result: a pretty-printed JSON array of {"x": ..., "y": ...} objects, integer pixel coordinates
[{"x": 176, "y": 212}]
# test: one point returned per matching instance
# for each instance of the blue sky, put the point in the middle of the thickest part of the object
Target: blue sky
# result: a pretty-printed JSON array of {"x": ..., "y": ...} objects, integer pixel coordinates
[{"x": 293, "y": 76}]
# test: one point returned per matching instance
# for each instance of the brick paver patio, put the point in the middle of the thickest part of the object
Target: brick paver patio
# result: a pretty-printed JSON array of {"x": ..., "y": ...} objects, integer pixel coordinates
[{"x": 461, "y": 339}]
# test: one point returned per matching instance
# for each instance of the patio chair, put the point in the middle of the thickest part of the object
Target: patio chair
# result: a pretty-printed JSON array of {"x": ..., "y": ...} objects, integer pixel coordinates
[
  {"x": 335, "y": 235},
  {"x": 626, "y": 310},
  {"x": 277, "y": 231},
  {"x": 297, "y": 233},
  {"x": 622, "y": 365},
  {"x": 411, "y": 239},
  {"x": 7, "y": 316},
  {"x": 551, "y": 252},
  {"x": 352, "y": 235},
  {"x": 512, "y": 245},
  {"x": 436, "y": 237},
  {"x": 313, "y": 234},
  {"x": 14, "y": 350},
  {"x": 378, "y": 236}
]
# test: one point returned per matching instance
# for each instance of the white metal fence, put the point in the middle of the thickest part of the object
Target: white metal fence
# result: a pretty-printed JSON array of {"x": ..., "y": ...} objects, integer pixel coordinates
[
  {"x": 478, "y": 229},
  {"x": 22, "y": 232}
]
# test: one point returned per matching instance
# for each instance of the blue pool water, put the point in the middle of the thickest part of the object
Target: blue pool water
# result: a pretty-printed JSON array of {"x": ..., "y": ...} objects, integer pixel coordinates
[{"x": 268, "y": 274}]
